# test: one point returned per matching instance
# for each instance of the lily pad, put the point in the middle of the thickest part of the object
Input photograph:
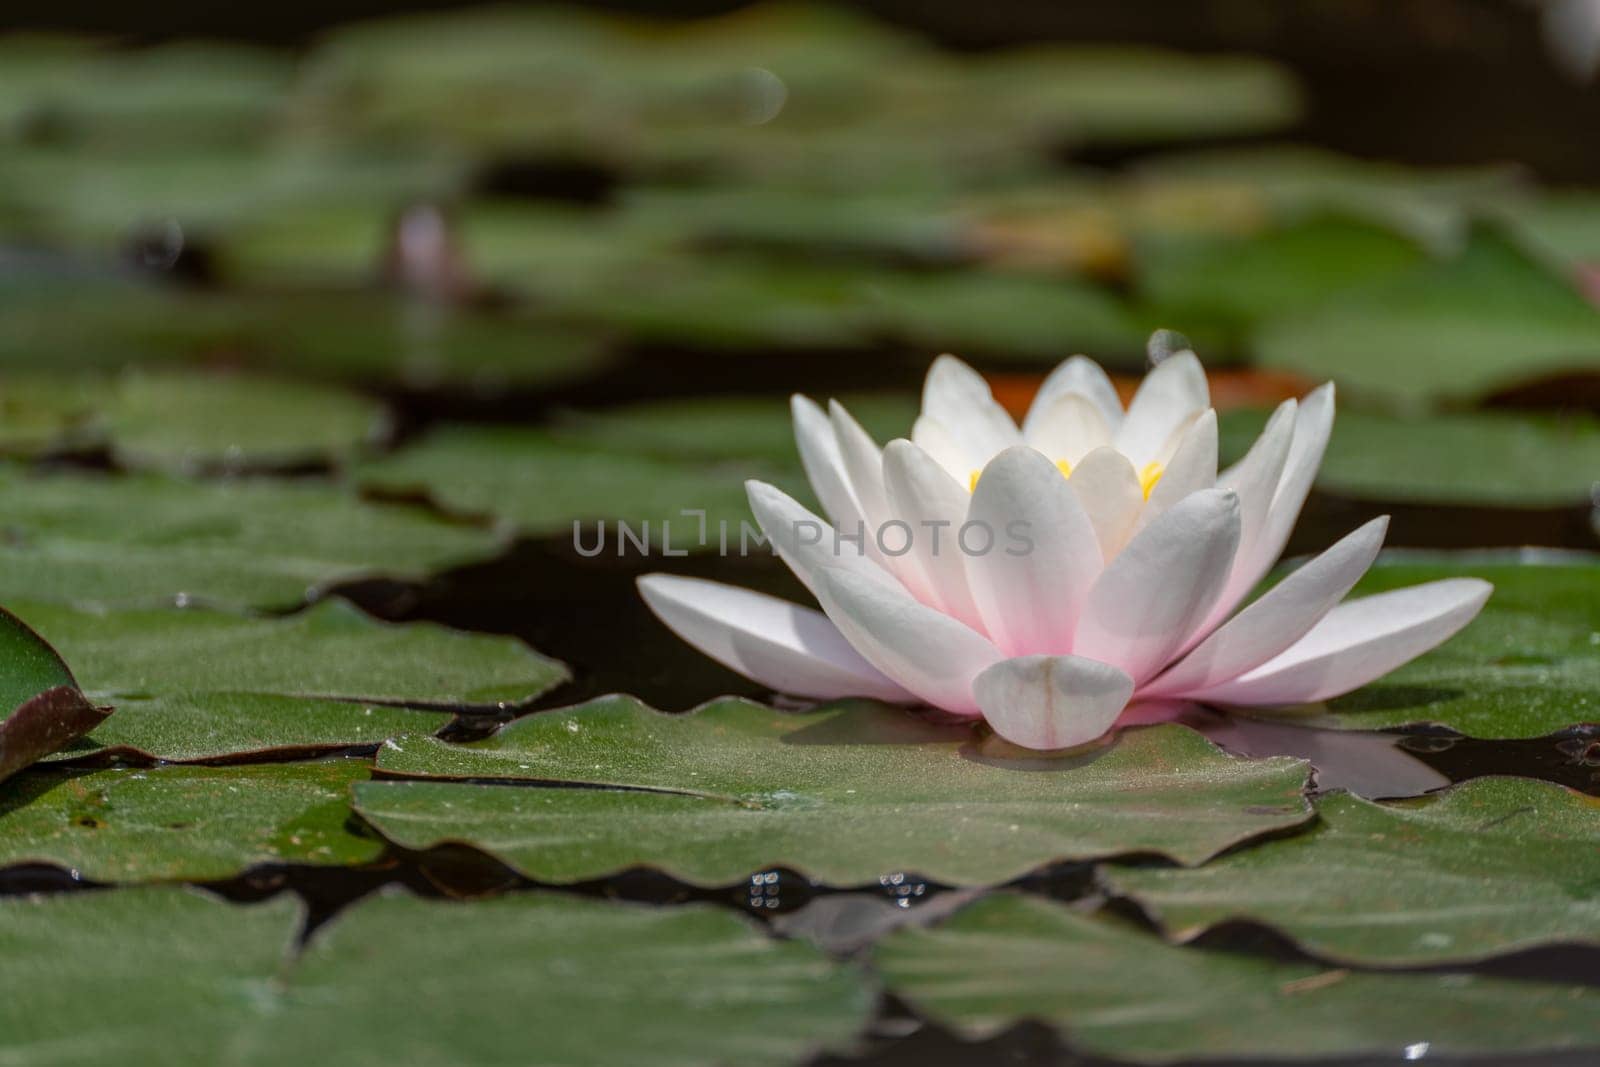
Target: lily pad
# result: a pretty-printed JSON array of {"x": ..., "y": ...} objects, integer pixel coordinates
[
  {"x": 173, "y": 974},
  {"x": 1488, "y": 867},
  {"x": 1434, "y": 206},
  {"x": 1488, "y": 318},
  {"x": 1529, "y": 665},
  {"x": 1116, "y": 991},
  {"x": 143, "y": 539},
  {"x": 185, "y": 422},
  {"x": 183, "y": 823},
  {"x": 1479, "y": 458},
  {"x": 196, "y": 684},
  {"x": 397, "y": 978},
  {"x": 842, "y": 794},
  {"x": 1233, "y": 282},
  {"x": 1131, "y": 95},
  {"x": 402, "y": 979},
  {"x": 41, "y": 708},
  {"x": 544, "y": 485}
]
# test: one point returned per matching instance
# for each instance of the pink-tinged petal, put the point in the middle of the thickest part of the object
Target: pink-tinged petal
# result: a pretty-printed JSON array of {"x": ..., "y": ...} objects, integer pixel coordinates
[
  {"x": 961, "y": 400},
  {"x": 929, "y": 434},
  {"x": 1071, "y": 429},
  {"x": 1169, "y": 398},
  {"x": 1109, "y": 490},
  {"x": 1356, "y": 642},
  {"x": 863, "y": 463},
  {"x": 1045, "y": 702},
  {"x": 1313, "y": 423},
  {"x": 1083, "y": 376},
  {"x": 1282, "y": 616},
  {"x": 823, "y": 462},
  {"x": 786, "y": 647},
  {"x": 933, "y": 506},
  {"x": 1193, "y": 467},
  {"x": 926, "y": 652},
  {"x": 1142, "y": 610},
  {"x": 1031, "y": 584},
  {"x": 804, "y": 541}
]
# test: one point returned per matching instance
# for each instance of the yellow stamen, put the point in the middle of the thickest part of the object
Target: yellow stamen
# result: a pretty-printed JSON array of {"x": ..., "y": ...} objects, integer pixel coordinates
[
  {"x": 1149, "y": 476},
  {"x": 1064, "y": 467},
  {"x": 972, "y": 482}
]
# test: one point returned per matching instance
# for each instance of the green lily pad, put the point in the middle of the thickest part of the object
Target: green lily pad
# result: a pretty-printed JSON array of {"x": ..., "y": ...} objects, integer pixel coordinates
[
  {"x": 41, "y": 707},
  {"x": 544, "y": 485},
  {"x": 144, "y": 539},
  {"x": 1529, "y": 665},
  {"x": 732, "y": 301},
  {"x": 62, "y": 322},
  {"x": 1116, "y": 991},
  {"x": 1233, "y": 282},
  {"x": 183, "y": 823},
  {"x": 397, "y": 977},
  {"x": 181, "y": 422},
  {"x": 1434, "y": 206},
  {"x": 330, "y": 651},
  {"x": 1131, "y": 95},
  {"x": 1489, "y": 318},
  {"x": 842, "y": 794},
  {"x": 1565, "y": 225},
  {"x": 196, "y": 684},
  {"x": 173, "y": 974},
  {"x": 1480, "y": 458},
  {"x": 716, "y": 429},
  {"x": 1488, "y": 867},
  {"x": 1017, "y": 315}
]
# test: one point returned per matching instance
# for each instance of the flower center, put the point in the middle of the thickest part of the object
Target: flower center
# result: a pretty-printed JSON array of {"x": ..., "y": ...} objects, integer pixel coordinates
[{"x": 1148, "y": 476}]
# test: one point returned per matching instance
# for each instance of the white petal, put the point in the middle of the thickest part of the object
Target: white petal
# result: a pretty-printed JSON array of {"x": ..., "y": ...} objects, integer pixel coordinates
[
  {"x": 1356, "y": 642},
  {"x": 1108, "y": 488},
  {"x": 802, "y": 540},
  {"x": 1193, "y": 467},
  {"x": 1030, "y": 594},
  {"x": 925, "y": 651},
  {"x": 1142, "y": 610},
  {"x": 929, "y": 434},
  {"x": 1169, "y": 398},
  {"x": 783, "y": 646},
  {"x": 823, "y": 462},
  {"x": 958, "y": 397},
  {"x": 1313, "y": 422},
  {"x": 1070, "y": 429},
  {"x": 863, "y": 463},
  {"x": 1046, "y": 702},
  {"x": 1084, "y": 377},
  {"x": 924, "y": 496},
  {"x": 1282, "y": 616}
]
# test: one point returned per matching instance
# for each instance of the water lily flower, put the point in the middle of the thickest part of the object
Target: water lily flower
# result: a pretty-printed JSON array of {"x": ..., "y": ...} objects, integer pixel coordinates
[{"x": 1117, "y": 559}]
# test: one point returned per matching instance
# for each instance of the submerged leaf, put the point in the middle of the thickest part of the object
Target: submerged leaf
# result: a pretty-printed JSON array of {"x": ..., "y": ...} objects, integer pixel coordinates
[{"x": 841, "y": 794}]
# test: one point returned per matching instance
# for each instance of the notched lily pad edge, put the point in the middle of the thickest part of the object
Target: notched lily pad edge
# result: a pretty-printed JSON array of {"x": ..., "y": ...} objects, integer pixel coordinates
[
  {"x": 1189, "y": 935},
  {"x": 383, "y": 777}
]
